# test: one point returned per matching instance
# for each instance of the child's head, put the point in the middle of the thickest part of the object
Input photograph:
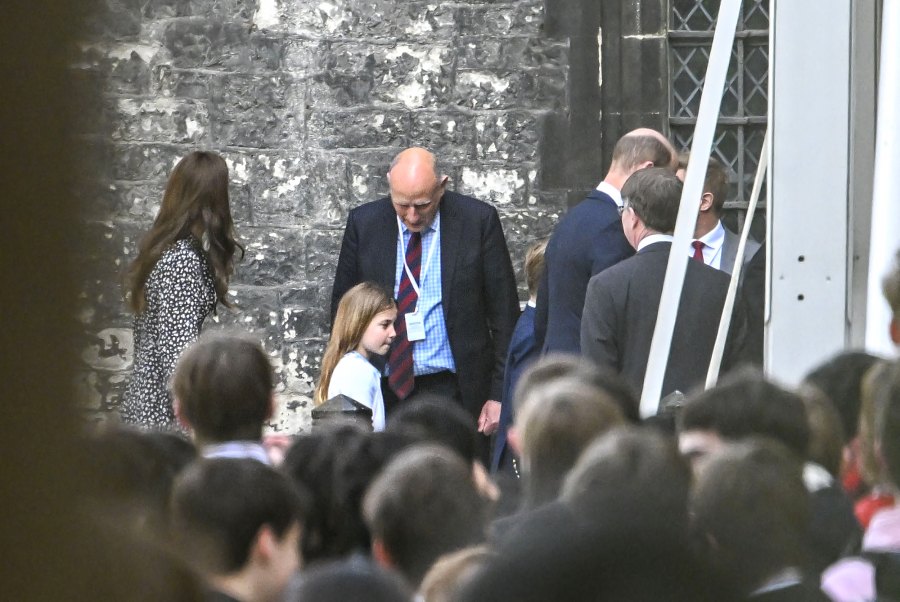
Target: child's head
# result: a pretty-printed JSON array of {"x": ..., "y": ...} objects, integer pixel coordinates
[
  {"x": 223, "y": 388},
  {"x": 364, "y": 322},
  {"x": 534, "y": 266},
  {"x": 238, "y": 519}
]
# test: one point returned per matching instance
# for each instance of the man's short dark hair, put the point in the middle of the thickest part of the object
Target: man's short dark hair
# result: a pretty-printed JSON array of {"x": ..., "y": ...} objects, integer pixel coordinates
[
  {"x": 632, "y": 150},
  {"x": 219, "y": 505},
  {"x": 716, "y": 183},
  {"x": 423, "y": 505},
  {"x": 750, "y": 499},
  {"x": 746, "y": 404},
  {"x": 654, "y": 194},
  {"x": 437, "y": 420},
  {"x": 223, "y": 384},
  {"x": 356, "y": 578}
]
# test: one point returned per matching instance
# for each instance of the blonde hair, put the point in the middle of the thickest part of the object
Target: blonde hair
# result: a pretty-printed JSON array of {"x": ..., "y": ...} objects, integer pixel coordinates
[
  {"x": 358, "y": 307},
  {"x": 534, "y": 265}
]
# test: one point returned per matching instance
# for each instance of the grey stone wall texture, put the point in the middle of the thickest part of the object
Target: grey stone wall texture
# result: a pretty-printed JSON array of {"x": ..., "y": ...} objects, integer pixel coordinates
[{"x": 308, "y": 101}]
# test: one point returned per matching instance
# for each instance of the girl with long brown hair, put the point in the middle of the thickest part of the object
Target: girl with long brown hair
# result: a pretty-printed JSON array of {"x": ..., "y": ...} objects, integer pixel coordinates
[
  {"x": 181, "y": 271},
  {"x": 363, "y": 328}
]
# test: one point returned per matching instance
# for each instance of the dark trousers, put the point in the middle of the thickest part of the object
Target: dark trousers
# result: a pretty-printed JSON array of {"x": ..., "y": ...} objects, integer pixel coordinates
[{"x": 441, "y": 385}]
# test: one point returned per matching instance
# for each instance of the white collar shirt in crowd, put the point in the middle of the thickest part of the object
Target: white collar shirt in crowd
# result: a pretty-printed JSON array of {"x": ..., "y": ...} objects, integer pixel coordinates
[
  {"x": 653, "y": 238},
  {"x": 712, "y": 246},
  {"x": 614, "y": 193},
  {"x": 252, "y": 450}
]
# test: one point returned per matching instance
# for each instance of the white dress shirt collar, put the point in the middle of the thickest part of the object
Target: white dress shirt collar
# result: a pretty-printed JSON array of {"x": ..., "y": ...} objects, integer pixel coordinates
[
  {"x": 712, "y": 246},
  {"x": 614, "y": 193},
  {"x": 654, "y": 238}
]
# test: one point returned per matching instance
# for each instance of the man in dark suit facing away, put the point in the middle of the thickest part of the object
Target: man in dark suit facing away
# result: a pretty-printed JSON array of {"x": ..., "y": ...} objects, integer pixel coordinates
[
  {"x": 717, "y": 246},
  {"x": 445, "y": 258},
  {"x": 589, "y": 239},
  {"x": 622, "y": 302}
]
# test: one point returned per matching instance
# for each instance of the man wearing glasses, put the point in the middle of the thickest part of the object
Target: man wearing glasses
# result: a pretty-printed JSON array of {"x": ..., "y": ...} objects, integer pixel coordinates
[
  {"x": 445, "y": 258},
  {"x": 622, "y": 302},
  {"x": 589, "y": 239}
]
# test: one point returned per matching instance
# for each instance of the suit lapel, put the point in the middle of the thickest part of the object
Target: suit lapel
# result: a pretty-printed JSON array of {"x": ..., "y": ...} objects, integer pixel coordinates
[
  {"x": 729, "y": 251},
  {"x": 451, "y": 231},
  {"x": 385, "y": 247}
]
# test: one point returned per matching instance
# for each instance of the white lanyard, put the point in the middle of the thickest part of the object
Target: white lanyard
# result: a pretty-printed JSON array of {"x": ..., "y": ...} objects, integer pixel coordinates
[{"x": 412, "y": 281}]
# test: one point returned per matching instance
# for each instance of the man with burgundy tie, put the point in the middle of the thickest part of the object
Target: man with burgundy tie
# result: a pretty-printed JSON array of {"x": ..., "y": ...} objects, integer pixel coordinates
[
  {"x": 716, "y": 246},
  {"x": 445, "y": 257},
  {"x": 622, "y": 302}
]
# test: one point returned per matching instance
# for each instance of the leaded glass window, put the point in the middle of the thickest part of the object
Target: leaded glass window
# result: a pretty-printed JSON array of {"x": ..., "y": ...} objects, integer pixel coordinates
[{"x": 742, "y": 119}]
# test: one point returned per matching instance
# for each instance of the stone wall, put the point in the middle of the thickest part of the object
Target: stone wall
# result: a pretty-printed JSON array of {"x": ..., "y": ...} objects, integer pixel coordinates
[{"x": 308, "y": 101}]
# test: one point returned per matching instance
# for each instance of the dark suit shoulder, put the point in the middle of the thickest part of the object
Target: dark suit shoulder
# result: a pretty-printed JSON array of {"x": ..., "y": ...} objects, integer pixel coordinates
[{"x": 597, "y": 210}]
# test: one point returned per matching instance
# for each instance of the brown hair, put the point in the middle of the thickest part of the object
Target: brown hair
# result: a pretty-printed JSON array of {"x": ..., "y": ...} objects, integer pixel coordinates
[
  {"x": 223, "y": 384},
  {"x": 357, "y": 308},
  {"x": 654, "y": 194},
  {"x": 716, "y": 181},
  {"x": 195, "y": 203},
  {"x": 534, "y": 265}
]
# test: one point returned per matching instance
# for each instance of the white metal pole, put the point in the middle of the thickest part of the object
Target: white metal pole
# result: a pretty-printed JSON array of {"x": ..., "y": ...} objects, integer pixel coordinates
[
  {"x": 715, "y": 362},
  {"x": 710, "y": 102},
  {"x": 885, "y": 234}
]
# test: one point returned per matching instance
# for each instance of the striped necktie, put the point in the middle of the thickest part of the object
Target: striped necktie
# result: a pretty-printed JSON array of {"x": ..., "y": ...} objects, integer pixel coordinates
[{"x": 401, "y": 379}]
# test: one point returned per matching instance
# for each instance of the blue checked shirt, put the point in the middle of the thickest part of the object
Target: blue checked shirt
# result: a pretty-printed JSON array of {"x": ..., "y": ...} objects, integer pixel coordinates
[{"x": 433, "y": 354}]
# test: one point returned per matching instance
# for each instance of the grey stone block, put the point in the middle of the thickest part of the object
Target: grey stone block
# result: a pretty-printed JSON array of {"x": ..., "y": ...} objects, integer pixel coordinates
[
  {"x": 368, "y": 174},
  {"x": 287, "y": 189},
  {"x": 322, "y": 250},
  {"x": 199, "y": 42},
  {"x": 255, "y": 312},
  {"x": 491, "y": 52},
  {"x": 182, "y": 83},
  {"x": 358, "y": 128},
  {"x": 414, "y": 75},
  {"x": 450, "y": 135},
  {"x": 159, "y": 120},
  {"x": 256, "y": 110},
  {"x": 369, "y": 19},
  {"x": 518, "y": 18},
  {"x": 113, "y": 19},
  {"x": 511, "y": 136},
  {"x": 144, "y": 161},
  {"x": 273, "y": 257}
]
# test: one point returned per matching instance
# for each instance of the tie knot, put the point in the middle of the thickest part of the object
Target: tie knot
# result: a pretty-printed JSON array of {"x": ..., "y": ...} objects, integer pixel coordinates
[{"x": 698, "y": 245}]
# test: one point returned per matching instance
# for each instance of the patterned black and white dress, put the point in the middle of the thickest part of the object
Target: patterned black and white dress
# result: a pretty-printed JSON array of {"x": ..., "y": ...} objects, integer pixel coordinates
[{"x": 180, "y": 294}]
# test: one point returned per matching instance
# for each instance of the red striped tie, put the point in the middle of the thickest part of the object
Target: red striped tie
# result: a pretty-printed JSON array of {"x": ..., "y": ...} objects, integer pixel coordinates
[{"x": 400, "y": 361}]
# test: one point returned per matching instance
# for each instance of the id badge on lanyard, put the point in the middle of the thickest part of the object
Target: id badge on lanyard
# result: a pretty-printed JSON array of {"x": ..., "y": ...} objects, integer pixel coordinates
[{"x": 415, "y": 320}]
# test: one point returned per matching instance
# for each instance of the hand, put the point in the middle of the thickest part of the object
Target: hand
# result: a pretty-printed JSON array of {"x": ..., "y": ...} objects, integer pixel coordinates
[{"x": 490, "y": 417}]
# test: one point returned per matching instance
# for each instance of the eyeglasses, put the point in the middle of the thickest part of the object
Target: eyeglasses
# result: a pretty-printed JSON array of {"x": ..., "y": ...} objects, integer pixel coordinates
[
  {"x": 625, "y": 205},
  {"x": 422, "y": 204}
]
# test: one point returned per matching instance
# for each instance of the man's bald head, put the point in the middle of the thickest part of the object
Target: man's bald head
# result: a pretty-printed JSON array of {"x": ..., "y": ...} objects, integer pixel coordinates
[
  {"x": 642, "y": 148},
  {"x": 416, "y": 187}
]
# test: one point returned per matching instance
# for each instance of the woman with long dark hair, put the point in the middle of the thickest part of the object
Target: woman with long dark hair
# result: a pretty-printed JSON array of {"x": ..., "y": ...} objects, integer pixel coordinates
[{"x": 181, "y": 271}]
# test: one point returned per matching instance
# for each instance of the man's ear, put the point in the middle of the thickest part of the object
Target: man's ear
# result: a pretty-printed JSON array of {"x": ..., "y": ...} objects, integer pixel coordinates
[
  {"x": 180, "y": 418},
  {"x": 381, "y": 555},
  {"x": 706, "y": 201},
  {"x": 895, "y": 331},
  {"x": 264, "y": 545}
]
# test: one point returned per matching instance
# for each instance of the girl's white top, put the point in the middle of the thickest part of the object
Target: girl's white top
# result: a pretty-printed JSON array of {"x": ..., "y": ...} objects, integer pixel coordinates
[{"x": 355, "y": 377}]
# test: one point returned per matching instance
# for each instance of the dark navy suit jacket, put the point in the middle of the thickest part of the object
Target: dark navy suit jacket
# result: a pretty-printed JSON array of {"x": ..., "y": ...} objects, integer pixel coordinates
[
  {"x": 523, "y": 351},
  {"x": 587, "y": 240}
]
